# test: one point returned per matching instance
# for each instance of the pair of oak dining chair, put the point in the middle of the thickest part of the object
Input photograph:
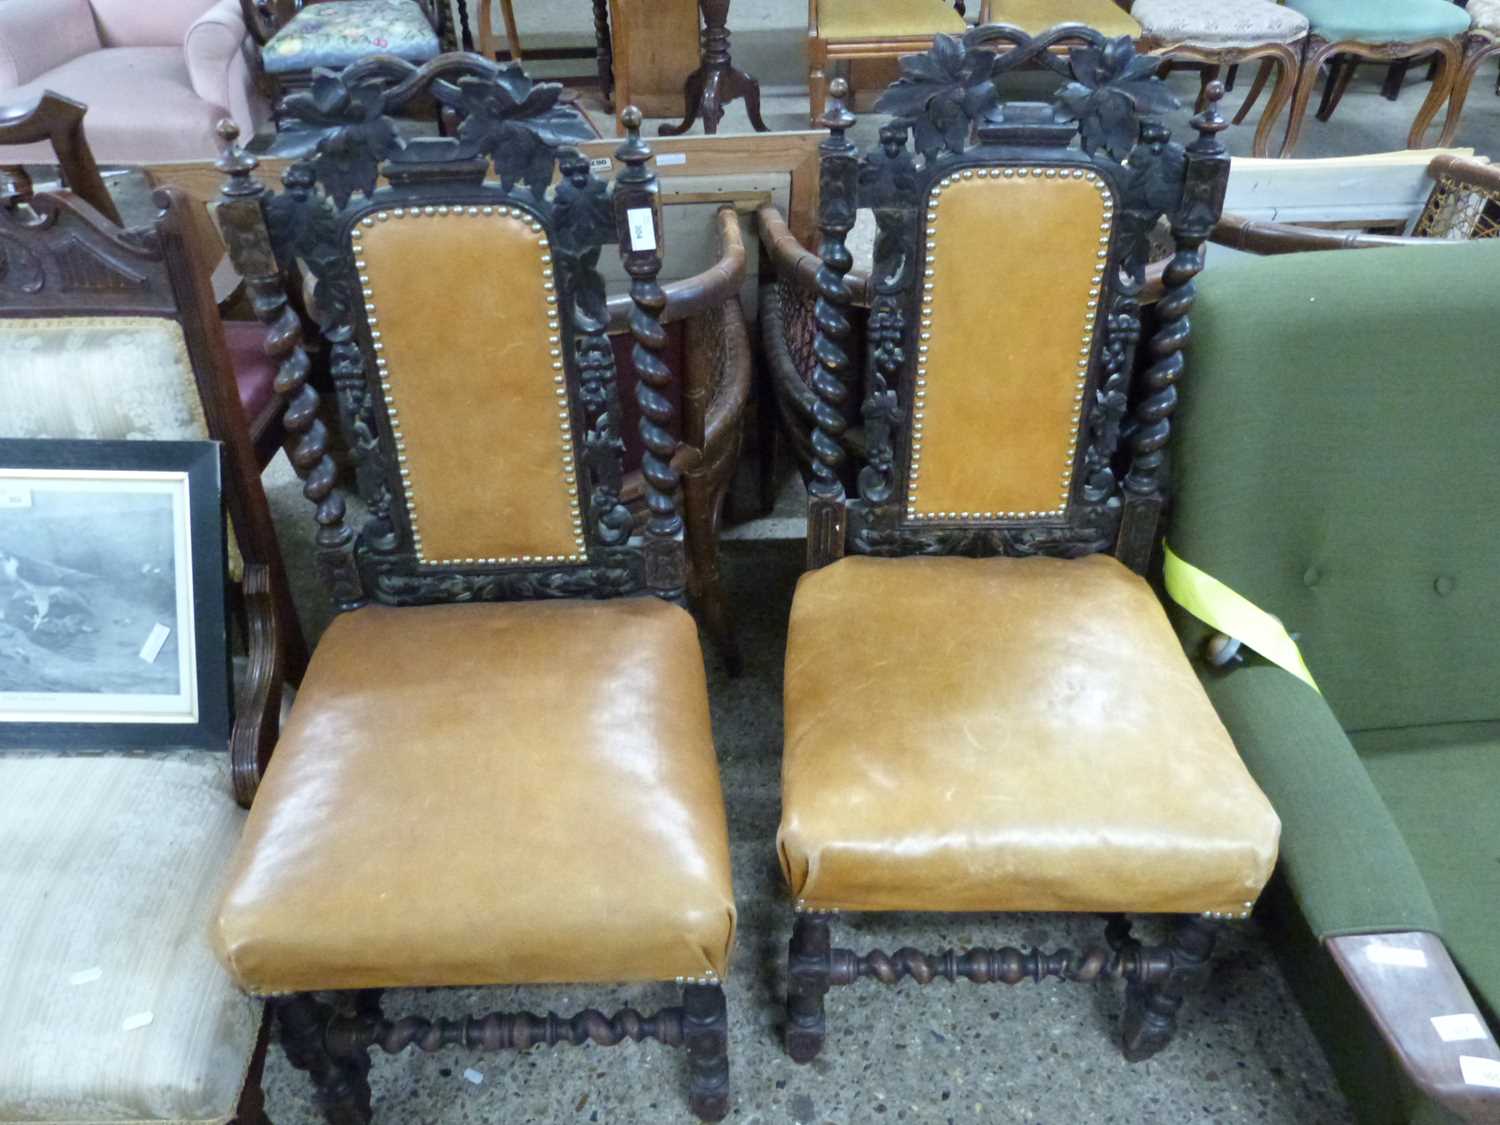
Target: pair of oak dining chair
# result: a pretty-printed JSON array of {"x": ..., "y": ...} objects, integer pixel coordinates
[{"x": 499, "y": 768}]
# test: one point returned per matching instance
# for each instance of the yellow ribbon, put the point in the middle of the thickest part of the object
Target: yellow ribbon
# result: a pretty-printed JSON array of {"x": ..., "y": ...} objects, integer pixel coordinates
[{"x": 1219, "y": 607}]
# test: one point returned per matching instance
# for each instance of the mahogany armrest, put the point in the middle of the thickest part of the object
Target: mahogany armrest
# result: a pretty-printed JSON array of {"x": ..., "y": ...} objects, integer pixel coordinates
[
  {"x": 1405, "y": 980},
  {"x": 59, "y": 120},
  {"x": 1261, "y": 237},
  {"x": 797, "y": 264},
  {"x": 1468, "y": 172}
]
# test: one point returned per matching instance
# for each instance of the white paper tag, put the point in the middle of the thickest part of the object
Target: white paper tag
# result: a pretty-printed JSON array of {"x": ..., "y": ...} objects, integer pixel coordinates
[
  {"x": 642, "y": 228},
  {"x": 152, "y": 648},
  {"x": 86, "y": 976},
  {"x": 1398, "y": 956},
  {"x": 1456, "y": 1028},
  {"x": 601, "y": 164},
  {"x": 1480, "y": 1072},
  {"x": 667, "y": 159},
  {"x": 137, "y": 1021},
  {"x": 474, "y": 1076},
  {"x": 13, "y": 495}
]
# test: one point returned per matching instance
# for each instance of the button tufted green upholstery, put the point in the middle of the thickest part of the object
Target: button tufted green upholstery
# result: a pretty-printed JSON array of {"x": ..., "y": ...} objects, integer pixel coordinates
[
  {"x": 1382, "y": 21},
  {"x": 1336, "y": 462},
  {"x": 1354, "y": 468}
]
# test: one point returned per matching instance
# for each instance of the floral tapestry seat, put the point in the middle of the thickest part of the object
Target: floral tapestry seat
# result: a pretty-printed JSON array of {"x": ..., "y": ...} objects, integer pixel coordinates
[{"x": 341, "y": 32}]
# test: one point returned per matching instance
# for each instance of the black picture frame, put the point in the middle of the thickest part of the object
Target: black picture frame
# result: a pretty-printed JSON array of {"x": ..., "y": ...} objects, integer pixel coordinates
[{"x": 56, "y": 617}]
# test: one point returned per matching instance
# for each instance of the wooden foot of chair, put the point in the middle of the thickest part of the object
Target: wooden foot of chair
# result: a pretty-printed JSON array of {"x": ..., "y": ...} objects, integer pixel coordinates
[
  {"x": 705, "y": 1031},
  {"x": 1150, "y": 1018},
  {"x": 343, "y": 1089},
  {"x": 808, "y": 971}
]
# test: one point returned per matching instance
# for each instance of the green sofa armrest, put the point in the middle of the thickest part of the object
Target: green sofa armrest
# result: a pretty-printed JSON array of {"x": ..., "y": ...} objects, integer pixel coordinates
[{"x": 1342, "y": 854}]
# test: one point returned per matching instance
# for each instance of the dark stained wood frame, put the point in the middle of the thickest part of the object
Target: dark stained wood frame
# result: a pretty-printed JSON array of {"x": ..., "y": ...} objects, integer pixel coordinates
[
  {"x": 1116, "y": 494},
  {"x": 498, "y": 117},
  {"x": 58, "y": 119},
  {"x": 65, "y": 259}
]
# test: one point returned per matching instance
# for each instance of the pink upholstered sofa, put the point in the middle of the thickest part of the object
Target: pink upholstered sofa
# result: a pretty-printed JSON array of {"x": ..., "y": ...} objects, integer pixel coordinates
[{"x": 155, "y": 74}]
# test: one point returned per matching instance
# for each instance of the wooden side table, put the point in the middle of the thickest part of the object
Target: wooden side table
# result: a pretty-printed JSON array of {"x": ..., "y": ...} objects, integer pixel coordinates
[{"x": 717, "y": 81}]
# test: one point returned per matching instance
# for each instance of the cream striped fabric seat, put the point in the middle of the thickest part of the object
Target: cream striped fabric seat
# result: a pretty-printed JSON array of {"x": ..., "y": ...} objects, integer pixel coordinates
[{"x": 112, "y": 1005}]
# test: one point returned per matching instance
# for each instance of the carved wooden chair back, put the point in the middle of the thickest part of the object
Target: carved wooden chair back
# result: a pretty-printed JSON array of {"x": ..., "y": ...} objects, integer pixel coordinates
[
  {"x": 111, "y": 334},
  {"x": 1005, "y": 303},
  {"x": 466, "y": 320}
]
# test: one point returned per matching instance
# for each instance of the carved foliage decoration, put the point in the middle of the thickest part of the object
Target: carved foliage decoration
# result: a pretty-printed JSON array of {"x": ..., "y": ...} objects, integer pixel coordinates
[
  {"x": 946, "y": 102},
  {"x": 349, "y": 156}
]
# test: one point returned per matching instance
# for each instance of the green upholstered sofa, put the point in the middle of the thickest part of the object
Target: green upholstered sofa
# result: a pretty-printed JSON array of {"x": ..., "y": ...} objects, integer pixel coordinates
[{"x": 1338, "y": 464}]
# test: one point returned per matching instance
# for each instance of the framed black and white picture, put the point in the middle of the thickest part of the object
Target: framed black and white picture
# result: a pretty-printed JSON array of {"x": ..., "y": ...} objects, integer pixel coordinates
[{"x": 112, "y": 591}]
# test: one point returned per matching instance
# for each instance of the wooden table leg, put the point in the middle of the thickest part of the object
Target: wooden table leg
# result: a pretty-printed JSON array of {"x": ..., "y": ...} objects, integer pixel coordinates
[{"x": 716, "y": 82}]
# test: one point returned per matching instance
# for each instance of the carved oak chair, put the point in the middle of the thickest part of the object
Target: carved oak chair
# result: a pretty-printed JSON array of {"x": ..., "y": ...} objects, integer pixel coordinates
[
  {"x": 1386, "y": 774},
  {"x": 499, "y": 769},
  {"x": 1042, "y": 743},
  {"x": 111, "y": 862}
]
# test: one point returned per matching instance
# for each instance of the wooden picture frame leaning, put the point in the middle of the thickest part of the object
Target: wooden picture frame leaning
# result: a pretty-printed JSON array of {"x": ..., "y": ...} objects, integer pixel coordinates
[{"x": 150, "y": 624}]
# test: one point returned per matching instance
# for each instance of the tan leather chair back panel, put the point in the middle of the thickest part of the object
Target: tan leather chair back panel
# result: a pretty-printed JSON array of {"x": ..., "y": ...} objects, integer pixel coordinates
[
  {"x": 462, "y": 313},
  {"x": 1015, "y": 258}
]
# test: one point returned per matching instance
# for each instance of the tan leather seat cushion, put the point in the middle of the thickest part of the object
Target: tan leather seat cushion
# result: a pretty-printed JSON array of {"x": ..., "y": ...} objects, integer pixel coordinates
[
  {"x": 488, "y": 794},
  {"x": 887, "y": 19},
  {"x": 1007, "y": 734},
  {"x": 1036, "y": 16}
]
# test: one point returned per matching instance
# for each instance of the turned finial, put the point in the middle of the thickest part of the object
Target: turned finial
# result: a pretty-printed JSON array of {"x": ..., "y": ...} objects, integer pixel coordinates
[
  {"x": 234, "y": 161},
  {"x": 1210, "y": 123},
  {"x": 837, "y": 117}
]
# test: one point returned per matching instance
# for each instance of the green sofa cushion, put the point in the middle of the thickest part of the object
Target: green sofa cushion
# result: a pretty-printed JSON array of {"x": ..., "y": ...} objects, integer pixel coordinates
[
  {"x": 1442, "y": 785},
  {"x": 1336, "y": 463},
  {"x": 1382, "y": 21},
  {"x": 1341, "y": 853}
]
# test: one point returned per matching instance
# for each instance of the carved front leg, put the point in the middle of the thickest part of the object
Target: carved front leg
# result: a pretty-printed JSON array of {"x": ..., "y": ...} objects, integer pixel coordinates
[
  {"x": 705, "y": 1031},
  {"x": 1151, "y": 1009},
  {"x": 808, "y": 971},
  {"x": 337, "y": 1067}
]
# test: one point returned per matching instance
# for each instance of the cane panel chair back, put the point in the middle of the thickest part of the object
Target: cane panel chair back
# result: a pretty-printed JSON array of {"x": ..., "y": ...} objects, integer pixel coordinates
[
  {"x": 1005, "y": 313},
  {"x": 458, "y": 290}
]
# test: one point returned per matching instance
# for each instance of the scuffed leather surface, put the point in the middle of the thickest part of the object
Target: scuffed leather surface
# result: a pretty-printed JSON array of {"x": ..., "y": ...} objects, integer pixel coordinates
[
  {"x": 1007, "y": 734},
  {"x": 488, "y": 794},
  {"x": 478, "y": 408},
  {"x": 1002, "y": 389}
]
